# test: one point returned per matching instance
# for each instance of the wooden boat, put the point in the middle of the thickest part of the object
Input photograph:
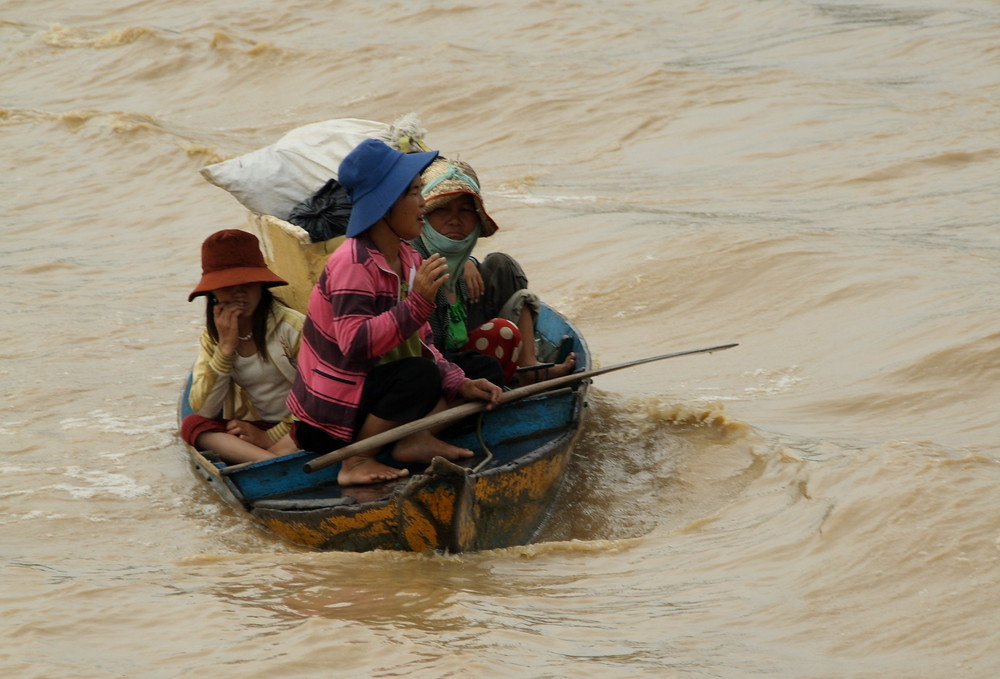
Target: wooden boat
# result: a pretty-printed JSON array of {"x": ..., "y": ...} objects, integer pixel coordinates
[{"x": 500, "y": 498}]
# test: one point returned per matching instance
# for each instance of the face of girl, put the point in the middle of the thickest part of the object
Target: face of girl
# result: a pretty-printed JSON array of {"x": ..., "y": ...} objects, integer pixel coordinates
[
  {"x": 405, "y": 217},
  {"x": 243, "y": 297},
  {"x": 455, "y": 219}
]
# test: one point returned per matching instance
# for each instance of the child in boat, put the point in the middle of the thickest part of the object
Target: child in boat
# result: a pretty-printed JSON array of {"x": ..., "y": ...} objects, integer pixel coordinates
[
  {"x": 246, "y": 364},
  {"x": 488, "y": 309},
  {"x": 368, "y": 363}
]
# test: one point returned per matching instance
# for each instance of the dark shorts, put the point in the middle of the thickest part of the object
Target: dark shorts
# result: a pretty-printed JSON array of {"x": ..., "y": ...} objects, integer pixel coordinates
[
  {"x": 400, "y": 391},
  {"x": 478, "y": 366}
]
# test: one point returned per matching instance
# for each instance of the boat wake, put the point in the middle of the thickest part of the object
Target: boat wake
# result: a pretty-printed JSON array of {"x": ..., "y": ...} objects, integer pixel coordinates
[{"x": 646, "y": 464}]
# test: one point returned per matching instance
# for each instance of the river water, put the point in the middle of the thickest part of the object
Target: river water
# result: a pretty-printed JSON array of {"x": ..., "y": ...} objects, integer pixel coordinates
[{"x": 815, "y": 180}]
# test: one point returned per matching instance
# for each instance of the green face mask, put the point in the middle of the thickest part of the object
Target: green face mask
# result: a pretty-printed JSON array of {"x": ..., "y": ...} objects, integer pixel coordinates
[{"x": 455, "y": 252}]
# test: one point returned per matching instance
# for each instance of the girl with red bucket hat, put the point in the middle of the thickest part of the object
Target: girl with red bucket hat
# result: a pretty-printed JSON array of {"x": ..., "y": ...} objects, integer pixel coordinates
[
  {"x": 246, "y": 364},
  {"x": 368, "y": 361}
]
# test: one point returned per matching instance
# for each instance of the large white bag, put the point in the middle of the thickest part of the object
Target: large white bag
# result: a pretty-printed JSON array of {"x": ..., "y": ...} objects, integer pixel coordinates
[{"x": 276, "y": 178}]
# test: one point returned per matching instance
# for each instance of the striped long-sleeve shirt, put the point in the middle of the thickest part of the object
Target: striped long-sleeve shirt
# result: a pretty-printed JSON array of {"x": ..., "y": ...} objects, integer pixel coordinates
[{"x": 355, "y": 316}]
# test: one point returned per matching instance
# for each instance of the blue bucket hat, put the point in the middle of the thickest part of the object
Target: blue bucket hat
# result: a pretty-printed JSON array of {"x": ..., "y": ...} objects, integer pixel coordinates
[{"x": 375, "y": 176}]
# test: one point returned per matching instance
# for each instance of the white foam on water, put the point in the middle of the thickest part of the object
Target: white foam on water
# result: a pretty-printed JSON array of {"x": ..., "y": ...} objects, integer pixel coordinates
[
  {"x": 11, "y": 428},
  {"x": 102, "y": 420},
  {"x": 101, "y": 483},
  {"x": 33, "y": 515},
  {"x": 154, "y": 431},
  {"x": 773, "y": 382}
]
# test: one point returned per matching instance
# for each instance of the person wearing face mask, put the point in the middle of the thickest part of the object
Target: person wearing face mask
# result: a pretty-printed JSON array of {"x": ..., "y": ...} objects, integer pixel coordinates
[{"x": 484, "y": 308}]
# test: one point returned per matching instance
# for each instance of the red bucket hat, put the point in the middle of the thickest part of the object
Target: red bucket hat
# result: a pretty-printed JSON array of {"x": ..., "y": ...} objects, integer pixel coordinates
[{"x": 232, "y": 257}]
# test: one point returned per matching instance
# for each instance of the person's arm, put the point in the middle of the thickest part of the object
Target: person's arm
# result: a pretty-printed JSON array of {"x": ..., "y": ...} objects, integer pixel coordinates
[
  {"x": 361, "y": 332},
  {"x": 473, "y": 280},
  {"x": 364, "y": 334},
  {"x": 280, "y": 429},
  {"x": 211, "y": 378},
  {"x": 455, "y": 383},
  {"x": 288, "y": 332},
  {"x": 287, "y": 335}
]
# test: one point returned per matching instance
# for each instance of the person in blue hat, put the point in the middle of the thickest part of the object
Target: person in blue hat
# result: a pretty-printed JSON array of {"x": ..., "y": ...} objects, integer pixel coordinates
[{"x": 367, "y": 362}]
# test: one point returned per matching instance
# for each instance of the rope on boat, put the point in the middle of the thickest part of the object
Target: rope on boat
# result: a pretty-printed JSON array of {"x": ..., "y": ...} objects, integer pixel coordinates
[{"x": 482, "y": 444}]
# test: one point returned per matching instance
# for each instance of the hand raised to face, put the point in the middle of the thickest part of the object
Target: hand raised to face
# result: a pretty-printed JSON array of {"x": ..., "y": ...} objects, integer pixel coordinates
[
  {"x": 431, "y": 275},
  {"x": 227, "y": 323}
]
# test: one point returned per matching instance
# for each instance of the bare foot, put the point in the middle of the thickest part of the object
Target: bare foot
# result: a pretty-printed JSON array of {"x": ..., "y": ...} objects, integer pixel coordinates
[
  {"x": 360, "y": 470},
  {"x": 558, "y": 370},
  {"x": 423, "y": 447},
  {"x": 564, "y": 368}
]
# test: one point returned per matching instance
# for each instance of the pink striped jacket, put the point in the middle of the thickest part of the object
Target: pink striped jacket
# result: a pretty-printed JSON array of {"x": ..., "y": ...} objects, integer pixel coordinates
[{"x": 355, "y": 317}]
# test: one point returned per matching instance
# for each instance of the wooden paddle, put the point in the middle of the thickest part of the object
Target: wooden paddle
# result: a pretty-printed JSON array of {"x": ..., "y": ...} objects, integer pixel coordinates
[{"x": 466, "y": 409}]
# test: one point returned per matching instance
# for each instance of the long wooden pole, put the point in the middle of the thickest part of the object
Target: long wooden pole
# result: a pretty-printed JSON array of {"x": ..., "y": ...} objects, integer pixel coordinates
[{"x": 466, "y": 409}]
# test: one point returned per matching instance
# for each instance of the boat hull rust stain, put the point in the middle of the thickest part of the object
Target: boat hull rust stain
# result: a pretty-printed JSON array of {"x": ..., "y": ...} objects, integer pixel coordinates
[
  {"x": 426, "y": 507},
  {"x": 510, "y": 508},
  {"x": 346, "y": 530}
]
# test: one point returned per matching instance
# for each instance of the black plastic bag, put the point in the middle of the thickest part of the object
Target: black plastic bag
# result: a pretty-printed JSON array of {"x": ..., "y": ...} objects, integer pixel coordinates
[{"x": 325, "y": 215}]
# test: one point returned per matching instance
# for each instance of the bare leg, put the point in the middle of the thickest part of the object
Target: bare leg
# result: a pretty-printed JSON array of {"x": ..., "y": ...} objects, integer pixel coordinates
[
  {"x": 528, "y": 357},
  {"x": 420, "y": 447},
  {"x": 232, "y": 449},
  {"x": 283, "y": 446},
  {"x": 424, "y": 446}
]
